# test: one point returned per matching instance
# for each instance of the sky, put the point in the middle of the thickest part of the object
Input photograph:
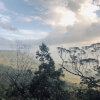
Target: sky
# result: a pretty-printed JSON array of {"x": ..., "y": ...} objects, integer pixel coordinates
[{"x": 51, "y": 21}]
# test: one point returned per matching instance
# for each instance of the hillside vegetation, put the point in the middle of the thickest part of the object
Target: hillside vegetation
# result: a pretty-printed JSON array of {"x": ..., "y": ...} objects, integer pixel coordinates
[
  {"x": 6, "y": 58},
  {"x": 24, "y": 77}
]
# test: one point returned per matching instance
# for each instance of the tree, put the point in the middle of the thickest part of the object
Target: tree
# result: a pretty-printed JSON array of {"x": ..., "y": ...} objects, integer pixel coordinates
[
  {"x": 84, "y": 62},
  {"x": 89, "y": 94},
  {"x": 46, "y": 84},
  {"x": 20, "y": 75}
]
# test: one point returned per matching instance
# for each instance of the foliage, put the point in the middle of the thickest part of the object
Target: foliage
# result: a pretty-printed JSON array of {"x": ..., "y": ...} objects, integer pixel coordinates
[
  {"x": 89, "y": 94},
  {"x": 81, "y": 61},
  {"x": 84, "y": 62},
  {"x": 91, "y": 82},
  {"x": 46, "y": 84}
]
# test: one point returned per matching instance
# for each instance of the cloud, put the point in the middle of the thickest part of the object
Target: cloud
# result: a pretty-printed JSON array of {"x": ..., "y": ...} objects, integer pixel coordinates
[
  {"x": 4, "y": 23},
  {"x": 96, "y": 2},
  {"x": 28, "y": 19},
  {"x": 55, "y": 12},
  {"x": 59, "y": 16},
  {"x": 76, "y": 34},
  {"x": 62, "y": 13},
  {"x": 72, "y": 20},
  {"x": 24, "y": 34},
  {"x": 31, "y": 34},
  {"x": 4, "y": 18},
  {"x": 2, "y": 6},
  {"x": 7, "y": 27}
]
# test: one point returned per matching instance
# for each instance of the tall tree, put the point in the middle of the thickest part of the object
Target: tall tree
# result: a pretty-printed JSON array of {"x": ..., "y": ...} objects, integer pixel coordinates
[{"x": 47, "y": 83}]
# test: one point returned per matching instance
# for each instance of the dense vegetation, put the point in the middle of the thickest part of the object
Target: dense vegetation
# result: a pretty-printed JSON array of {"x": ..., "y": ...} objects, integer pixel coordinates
[{"x": 47, "y": 82}]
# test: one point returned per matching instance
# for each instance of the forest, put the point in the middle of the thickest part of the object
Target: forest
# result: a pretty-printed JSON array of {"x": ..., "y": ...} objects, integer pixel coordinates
[{"x": 24, "y": 78}]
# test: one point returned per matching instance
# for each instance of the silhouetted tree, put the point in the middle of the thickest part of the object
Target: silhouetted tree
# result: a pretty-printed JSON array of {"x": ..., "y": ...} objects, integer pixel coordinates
[
  {"x": 84, "y": 62},
  {"x": 46, "y": 84}
]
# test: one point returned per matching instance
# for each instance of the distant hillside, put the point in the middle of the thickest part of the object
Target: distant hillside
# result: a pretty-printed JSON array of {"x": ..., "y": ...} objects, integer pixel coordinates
[
  {"x": 5, "y": 57},
  {"x": 5, "y": 60},
  {"x": 70, "y": 77}
]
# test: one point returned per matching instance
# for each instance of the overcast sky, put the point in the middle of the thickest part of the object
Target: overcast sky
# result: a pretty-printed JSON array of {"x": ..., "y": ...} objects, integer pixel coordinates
[{"x": 51, "y": 21}]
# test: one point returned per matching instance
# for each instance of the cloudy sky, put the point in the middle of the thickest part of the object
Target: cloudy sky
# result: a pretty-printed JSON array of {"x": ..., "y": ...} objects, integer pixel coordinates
[{"x": 51, "y": 21}]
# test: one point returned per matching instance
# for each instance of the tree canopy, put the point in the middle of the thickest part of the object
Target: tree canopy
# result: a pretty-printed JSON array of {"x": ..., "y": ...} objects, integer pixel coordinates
[{"x": 47, "y": 83}]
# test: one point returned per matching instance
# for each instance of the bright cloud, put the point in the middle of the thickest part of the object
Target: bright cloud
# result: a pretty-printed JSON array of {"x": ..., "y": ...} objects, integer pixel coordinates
[
  {"x": 73, "y": 21},
  {"x": 88, "y": 12},
  {"x": 59, "y": 16},
  {"x": 60, "y": 12}
]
